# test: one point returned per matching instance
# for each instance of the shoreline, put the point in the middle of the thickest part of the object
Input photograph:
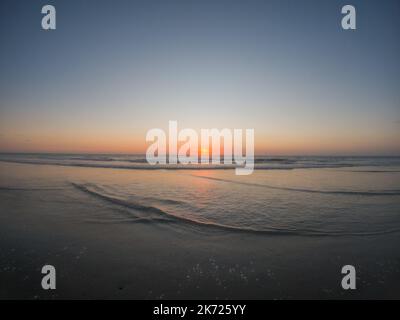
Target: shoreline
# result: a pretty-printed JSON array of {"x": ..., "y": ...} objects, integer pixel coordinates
[{"x": 100, "y": 254}]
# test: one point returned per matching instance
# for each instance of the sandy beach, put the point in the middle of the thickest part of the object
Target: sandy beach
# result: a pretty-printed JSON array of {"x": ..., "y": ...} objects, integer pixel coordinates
[{"x": 101, "y": 252}]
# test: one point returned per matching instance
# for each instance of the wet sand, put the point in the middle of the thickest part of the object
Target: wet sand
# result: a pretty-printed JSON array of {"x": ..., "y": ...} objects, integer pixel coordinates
[{"x": 161, "y": 261}]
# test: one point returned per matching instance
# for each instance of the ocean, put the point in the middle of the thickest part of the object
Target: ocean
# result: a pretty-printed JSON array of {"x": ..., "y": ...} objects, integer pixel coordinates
[
  {"x": 289, "y": 204},
  {"x": 291, "y": 195}
]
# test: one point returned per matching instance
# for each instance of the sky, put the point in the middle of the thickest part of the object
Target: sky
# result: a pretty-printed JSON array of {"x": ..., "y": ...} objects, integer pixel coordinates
[{"x": 112, "y": 70}]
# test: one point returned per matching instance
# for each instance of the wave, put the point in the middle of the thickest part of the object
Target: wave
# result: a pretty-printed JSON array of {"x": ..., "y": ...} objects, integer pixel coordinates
[
  {"x": 141, "y": 164},
  {"x": 117, "y": 200},
  {"x": 372, "y": 171},
  {"x": 144, "y": 166},
  {"x": 125, "y": 220},
  {"x": 28, "y": 189},
  {"x": 166, "y": 217},
  {"x": 340, "y": 192}
]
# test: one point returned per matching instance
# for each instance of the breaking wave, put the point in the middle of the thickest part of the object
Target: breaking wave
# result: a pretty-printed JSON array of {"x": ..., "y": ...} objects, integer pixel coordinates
[
  {"x": 337, "y": 192},
  {"x": 164, "y": 216},
  {"x": 136, "y": 162}
]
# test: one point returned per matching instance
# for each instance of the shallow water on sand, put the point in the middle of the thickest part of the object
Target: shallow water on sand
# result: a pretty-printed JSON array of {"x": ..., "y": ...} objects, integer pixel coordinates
[
  {"x": 198, "y": 233},
  {"x": 356, "y": 201}
]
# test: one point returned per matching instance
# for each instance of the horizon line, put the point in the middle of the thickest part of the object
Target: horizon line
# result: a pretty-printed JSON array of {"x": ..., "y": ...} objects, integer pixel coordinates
[{"x": 256, "y": 155}]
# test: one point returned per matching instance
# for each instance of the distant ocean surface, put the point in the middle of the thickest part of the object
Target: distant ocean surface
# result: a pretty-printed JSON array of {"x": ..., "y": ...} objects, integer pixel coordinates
[
  {"x": 119, "y": 161},
  {"x": 306, "y": 196}
]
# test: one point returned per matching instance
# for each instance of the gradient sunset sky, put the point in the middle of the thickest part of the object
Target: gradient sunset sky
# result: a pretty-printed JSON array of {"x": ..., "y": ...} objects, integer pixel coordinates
[{"x": 114, "y": 69}]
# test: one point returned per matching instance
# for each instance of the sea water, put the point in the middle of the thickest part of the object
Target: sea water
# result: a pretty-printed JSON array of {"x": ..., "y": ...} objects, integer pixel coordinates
[{"x": 307, "y": 196}]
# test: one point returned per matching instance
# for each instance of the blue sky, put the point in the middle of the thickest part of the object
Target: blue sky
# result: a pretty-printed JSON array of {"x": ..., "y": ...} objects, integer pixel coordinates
[{"x": 114, "y": 69}]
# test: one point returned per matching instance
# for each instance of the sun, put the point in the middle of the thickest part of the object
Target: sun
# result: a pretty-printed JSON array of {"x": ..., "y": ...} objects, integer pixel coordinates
[{"x": 204, "y": 151}]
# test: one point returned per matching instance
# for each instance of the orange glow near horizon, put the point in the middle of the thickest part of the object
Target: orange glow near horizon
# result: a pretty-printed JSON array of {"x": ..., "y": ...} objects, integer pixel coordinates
[
  {"x": 204, "y": 152},
  {"x": 93, "y": 141}
]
